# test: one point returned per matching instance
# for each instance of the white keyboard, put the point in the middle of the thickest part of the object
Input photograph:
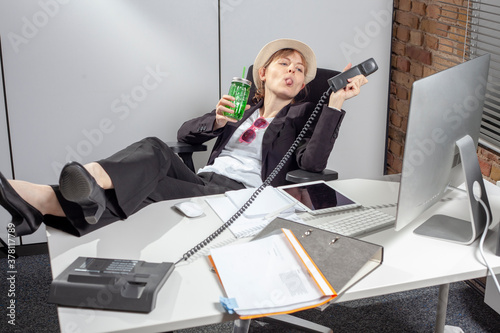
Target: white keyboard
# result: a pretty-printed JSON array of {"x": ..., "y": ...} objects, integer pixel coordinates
[{"x": 366, "y": 221}]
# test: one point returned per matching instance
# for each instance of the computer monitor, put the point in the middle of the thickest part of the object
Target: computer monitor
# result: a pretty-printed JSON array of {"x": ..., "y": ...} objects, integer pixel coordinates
[{"x": 440, "y": 149}]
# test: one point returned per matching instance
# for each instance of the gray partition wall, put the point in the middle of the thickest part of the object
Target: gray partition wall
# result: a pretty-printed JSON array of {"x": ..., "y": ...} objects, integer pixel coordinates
[
  {"x": 5, "y": 160},
  {"x": 86, "y": 78}
]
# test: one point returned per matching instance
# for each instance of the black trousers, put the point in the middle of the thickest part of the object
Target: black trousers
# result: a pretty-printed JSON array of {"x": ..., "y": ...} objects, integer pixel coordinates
[{"x": 145, "y": 172}]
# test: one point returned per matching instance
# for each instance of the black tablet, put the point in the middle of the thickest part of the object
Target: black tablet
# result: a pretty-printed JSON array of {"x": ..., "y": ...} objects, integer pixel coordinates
[{"x": 318, "y": 197}]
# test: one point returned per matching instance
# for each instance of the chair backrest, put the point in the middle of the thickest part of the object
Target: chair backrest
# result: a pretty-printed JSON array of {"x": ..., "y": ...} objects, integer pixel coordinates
[{"x": 312, "y": 92}]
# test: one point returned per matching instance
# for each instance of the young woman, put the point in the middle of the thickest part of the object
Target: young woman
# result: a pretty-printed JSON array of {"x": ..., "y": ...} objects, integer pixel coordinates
[{"x": 91, "y": 196}]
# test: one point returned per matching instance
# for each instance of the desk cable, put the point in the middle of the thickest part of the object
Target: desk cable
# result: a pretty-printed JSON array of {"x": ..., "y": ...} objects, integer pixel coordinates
[
  {"x": 483, "y": 236},
  {"x": 481, "y": 242},
  {"x": 267, "y": 182}
]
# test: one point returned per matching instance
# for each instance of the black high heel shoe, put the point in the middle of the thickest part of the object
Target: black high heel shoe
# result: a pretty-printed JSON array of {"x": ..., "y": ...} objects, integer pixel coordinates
[
  {"x": 25, "y": 217},
  {"x": 77, "y": 185}
]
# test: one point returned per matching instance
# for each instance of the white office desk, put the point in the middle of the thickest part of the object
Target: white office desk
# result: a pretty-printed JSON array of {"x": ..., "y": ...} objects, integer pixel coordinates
[{"x": 190, "y": 296}]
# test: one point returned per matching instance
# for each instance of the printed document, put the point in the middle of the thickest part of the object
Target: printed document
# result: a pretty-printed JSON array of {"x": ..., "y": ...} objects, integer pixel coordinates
[{"x": 269, "y": 276}]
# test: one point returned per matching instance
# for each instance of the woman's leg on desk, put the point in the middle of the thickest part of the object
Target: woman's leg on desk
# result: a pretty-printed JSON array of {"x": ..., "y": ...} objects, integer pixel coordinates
[{"x": 144, "y": 172}]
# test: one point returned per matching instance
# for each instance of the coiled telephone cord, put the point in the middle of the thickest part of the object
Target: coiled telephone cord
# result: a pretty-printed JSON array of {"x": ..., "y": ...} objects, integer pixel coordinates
[{"x": 267, "y": 182}]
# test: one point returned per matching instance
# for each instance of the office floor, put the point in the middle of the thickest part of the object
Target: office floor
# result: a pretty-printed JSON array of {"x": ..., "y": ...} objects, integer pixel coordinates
[{"x": 412, "y": 311}]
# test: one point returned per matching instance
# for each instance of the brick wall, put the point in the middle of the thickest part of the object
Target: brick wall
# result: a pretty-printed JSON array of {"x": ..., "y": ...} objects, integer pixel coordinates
[{"x": 423, "y": 44}]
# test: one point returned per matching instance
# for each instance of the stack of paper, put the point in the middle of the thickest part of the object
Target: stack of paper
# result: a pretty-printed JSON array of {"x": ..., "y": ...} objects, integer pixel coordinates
[
  {"x": 269, "y": 201},
  {"x": 269, "y": 204}
]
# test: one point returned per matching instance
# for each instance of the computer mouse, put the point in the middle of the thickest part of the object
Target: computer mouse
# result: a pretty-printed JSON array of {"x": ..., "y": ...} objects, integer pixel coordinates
[{"x": 189, "y": 208}]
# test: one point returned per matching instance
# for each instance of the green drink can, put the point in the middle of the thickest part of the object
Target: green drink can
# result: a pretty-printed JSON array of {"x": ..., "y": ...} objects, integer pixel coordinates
[{"x": 240, "y": 90}]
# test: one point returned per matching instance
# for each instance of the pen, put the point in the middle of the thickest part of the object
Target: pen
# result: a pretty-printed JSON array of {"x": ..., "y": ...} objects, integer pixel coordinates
[{"x": 272, "y": 215}]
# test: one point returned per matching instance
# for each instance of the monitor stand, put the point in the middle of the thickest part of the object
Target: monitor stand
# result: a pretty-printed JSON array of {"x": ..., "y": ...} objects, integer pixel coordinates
[{"x": 454, "y": 229}]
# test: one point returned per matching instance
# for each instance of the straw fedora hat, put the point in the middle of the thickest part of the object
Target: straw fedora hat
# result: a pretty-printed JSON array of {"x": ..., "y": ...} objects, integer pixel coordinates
[{"x": 284, "y": 43}]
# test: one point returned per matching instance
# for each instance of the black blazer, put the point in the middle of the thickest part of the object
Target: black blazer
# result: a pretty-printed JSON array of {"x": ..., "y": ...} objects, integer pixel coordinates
[{"x": 311, "y": 154}]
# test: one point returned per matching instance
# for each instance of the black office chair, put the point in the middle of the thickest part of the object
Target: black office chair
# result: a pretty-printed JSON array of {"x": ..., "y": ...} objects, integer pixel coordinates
[
  {"x": 312, "y": 93},
  {"x": 185, "y": 152}
]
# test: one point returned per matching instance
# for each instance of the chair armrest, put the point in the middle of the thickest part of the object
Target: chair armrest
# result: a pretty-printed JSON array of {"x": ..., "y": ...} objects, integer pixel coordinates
[
  {"x": 302, "y": 176},
  {"x": 181, "y": 147},
  {"x": 185, "y": 151}
]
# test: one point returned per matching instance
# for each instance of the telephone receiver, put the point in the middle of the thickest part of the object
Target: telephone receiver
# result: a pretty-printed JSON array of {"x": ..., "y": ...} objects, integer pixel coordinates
[
  {"x": 365, "y": 68},
  {"x": 336, "y": 83}
]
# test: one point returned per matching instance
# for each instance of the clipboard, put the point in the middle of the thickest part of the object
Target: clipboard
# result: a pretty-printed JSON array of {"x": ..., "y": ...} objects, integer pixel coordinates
[{"x": 331, "y": 251}]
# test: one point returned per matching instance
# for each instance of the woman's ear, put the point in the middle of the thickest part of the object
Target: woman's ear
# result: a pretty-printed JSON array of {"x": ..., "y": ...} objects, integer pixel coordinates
[{"x": 262, "y": 73}]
